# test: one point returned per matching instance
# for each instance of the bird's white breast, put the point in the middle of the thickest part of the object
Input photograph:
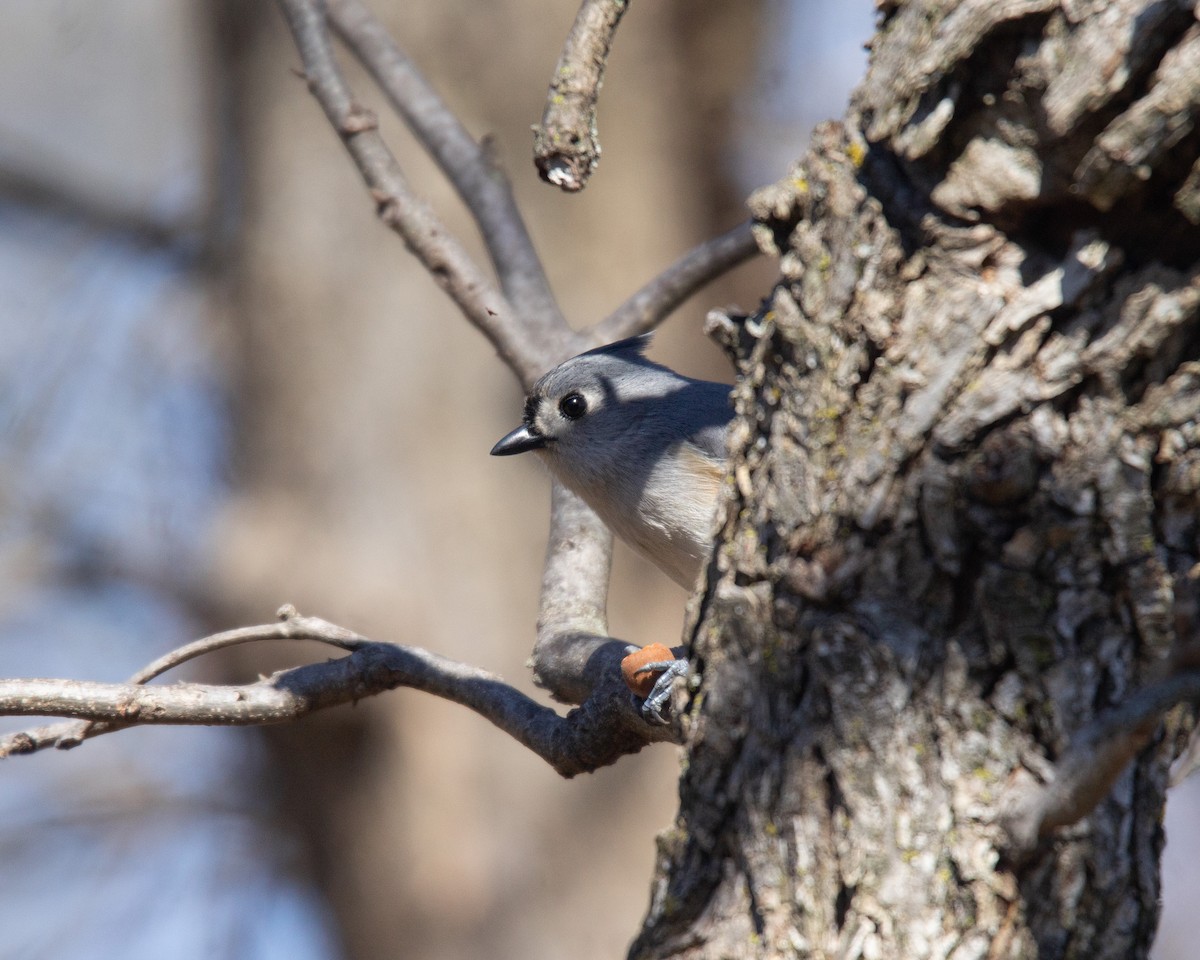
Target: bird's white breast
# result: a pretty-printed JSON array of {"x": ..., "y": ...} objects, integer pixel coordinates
[{"x": 667, "y": 515}]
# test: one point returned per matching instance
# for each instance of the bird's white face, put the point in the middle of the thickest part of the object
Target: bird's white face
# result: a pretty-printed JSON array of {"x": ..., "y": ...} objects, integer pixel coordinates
[
  {"x": 587, "y": 430},
  {"x": 570, "y": 411},
  {"x": 562, "y": 416},
  {"x": 598, "y": 416}
]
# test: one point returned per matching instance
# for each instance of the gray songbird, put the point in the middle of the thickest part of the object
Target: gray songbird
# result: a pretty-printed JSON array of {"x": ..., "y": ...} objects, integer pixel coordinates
[
  {"x": 645, "y": 448},
  {"x": 642, "y": 445}
]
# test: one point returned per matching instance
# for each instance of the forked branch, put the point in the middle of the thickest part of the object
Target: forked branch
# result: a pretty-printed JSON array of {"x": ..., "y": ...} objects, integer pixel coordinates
[
  {"x": 574, "y": 658},
  {"x": 583, "y": 740},
  {"x": 398, "y": 204},
  {"x": 470, "y": 167}
]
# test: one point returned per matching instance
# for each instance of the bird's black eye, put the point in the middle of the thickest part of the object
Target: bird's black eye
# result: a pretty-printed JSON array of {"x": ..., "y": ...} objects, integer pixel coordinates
[{"x": 572, "y": 406}]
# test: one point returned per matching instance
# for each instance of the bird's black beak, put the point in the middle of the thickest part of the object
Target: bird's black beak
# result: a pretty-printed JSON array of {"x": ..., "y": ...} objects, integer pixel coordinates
[{"x": 520, "y": 440}]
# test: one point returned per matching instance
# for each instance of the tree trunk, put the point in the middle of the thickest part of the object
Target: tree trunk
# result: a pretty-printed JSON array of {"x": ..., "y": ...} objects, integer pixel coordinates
[{"x": 964, "y": 521}]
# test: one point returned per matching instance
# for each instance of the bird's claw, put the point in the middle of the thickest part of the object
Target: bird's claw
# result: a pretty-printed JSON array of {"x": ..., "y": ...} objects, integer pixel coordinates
[{"x": 660, "y": 693}]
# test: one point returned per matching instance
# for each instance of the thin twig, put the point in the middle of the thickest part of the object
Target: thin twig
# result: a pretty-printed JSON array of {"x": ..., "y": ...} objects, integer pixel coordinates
[
  {"x": 1091, "y": 764},
  {"x": 471, "y": 169},
  {"x": 398, "y": 205},
  {"x": 291, "y": 626},
  {"x": 652, "y": 304},
  {"x": 566, "y": 147},
  {"x": 607, "y": 727}
]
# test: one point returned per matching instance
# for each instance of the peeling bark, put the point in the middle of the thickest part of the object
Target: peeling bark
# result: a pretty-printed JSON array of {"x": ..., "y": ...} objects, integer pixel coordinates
[{"x": 963, "y": 520}]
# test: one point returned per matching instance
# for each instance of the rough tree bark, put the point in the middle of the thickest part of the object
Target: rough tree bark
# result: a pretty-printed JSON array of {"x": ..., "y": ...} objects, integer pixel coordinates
[{"x": 963, "y": 516}]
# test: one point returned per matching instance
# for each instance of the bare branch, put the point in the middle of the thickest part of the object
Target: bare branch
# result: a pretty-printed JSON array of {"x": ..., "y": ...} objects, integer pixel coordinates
[
  {"x": 291, "y": 626},
  {"x": 652, "y": 304},
  {"x": 1091, "y": 764},
  {"x": 605, "y": 728},
  {"x": 566, "y": 148},
  {"x": 398, "y": 205},
  {"x": 470, "y": 167},
  {"x": 573, "y": 657},
  {"x": 573, "y": 647}
]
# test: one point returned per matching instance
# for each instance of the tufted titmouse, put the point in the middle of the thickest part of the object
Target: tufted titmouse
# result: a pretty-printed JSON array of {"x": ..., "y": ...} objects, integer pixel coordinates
[{"x": 642, "y": 445}]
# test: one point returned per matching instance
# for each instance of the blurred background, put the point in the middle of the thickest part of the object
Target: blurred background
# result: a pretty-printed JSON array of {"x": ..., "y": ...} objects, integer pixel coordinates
[{"x": 225, "y": 386}]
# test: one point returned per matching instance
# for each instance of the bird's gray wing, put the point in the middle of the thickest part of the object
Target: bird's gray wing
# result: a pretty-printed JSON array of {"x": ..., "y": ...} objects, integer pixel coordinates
[
  {"x": 711, "y": 440},
  {"x": 709, "y": 412}
]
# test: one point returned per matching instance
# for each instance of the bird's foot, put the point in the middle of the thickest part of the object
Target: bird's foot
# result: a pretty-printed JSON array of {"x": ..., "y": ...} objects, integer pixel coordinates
[
  {"x": 650, "y": 672},
  {"x": 660, "y": 693}
]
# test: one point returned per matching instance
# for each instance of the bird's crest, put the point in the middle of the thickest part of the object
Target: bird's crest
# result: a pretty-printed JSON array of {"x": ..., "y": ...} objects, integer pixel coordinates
[{"x": 629, "y": 348}]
